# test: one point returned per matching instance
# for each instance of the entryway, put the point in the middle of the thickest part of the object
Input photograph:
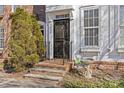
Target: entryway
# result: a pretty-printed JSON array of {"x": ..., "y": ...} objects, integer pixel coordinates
[{"x": 61, "y": 38}]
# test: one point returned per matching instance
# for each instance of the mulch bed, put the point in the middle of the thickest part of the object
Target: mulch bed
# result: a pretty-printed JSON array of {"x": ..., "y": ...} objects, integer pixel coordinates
[{"x": 97, "y": 75}]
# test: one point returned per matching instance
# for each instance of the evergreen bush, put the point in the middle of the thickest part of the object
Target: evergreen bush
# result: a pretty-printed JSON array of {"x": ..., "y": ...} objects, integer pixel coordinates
[{"x": 26, "y": 41}]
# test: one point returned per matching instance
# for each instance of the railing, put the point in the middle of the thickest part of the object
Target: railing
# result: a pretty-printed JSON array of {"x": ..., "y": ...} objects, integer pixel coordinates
[{"x": 71, "y": 50}]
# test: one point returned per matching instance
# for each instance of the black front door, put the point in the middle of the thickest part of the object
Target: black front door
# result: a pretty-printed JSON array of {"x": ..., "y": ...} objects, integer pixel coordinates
[{"x": 61, "y": 38}]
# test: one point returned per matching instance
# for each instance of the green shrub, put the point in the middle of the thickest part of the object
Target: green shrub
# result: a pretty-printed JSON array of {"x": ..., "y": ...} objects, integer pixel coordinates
[
  {"x": 121, "y": 84},
  {"x": 30, "y": 60},
  {"x": 26, "y": 42}
]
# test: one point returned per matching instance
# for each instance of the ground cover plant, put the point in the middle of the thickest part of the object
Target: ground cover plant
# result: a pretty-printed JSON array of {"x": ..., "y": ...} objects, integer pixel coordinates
[{"x": 100, "y": 79}]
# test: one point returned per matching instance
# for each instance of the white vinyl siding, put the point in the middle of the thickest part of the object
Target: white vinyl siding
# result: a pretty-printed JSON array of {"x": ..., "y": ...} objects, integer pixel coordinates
[{"x": 91, "y": 27}]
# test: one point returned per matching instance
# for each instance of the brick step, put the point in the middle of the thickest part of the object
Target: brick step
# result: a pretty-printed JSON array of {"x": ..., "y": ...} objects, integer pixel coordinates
[
  {"x": 50, "y": 65},
  {"x": 45, "y": 77},
  {"x": 48, "y": 71}
]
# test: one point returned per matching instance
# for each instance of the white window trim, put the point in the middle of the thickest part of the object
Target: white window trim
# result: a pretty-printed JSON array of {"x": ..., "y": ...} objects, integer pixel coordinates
[
  {"x": 2, "y": 10},
  {"x": 1, "y": 48},
  {"x": 82, "y": 26},
  {"x": 119, "y": 45}
]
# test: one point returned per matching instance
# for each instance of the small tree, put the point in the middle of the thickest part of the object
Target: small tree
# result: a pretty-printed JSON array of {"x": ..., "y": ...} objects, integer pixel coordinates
[
  {"x": 38, "y": 38},
  {"x": 26, "y": 41}
]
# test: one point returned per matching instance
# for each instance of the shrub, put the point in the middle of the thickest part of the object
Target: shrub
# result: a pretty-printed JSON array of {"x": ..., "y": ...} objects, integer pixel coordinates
[
  {"x": 26, "y": 42},
  {"x": 121, "y": 84},
  {"x": 30, "y": 60}
]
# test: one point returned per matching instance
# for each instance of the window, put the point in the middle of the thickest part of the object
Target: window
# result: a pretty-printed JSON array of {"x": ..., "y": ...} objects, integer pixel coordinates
[
  {"x": 91, "y": 27},
  {"x": 42, "y": 29},
  {"x": 62, "y": 16},
  {"x": 14, "y": 7},
  {"x": 1, "y": 37},
  {"x": 121, "y": 25},
  {"x": 1, "y": 9}
]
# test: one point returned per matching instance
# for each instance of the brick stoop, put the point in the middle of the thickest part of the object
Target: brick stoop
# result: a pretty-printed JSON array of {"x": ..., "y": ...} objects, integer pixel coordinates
[
  {"x": 67, "y": 66},
  {"x": 49, "y": 71}
]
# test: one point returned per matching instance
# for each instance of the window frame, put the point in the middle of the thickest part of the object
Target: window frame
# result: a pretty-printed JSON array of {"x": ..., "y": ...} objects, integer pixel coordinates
[
  {"x": 62, "y": 16},
  {"x": 1, "y": 13},
  {"x": 83, "y": 28},
  {"x": 120, "y": 26},
  {"x": 2, "y": 38}
]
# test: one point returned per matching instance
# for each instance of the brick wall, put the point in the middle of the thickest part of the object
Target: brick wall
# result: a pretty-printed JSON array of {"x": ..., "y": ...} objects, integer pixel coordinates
[
  {"x": 28, "y": 8},
  {"x": 39, "y": 12},
  {"x": 107, "y": 65},
  {"x": 5, "y": 22}
]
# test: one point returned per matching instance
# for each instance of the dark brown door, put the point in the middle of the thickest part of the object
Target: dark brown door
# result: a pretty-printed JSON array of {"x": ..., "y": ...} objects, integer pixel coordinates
[{"x": 61, "y": 38}]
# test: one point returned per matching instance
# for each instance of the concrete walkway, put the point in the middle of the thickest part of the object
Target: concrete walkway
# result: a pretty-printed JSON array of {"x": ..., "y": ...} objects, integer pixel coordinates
[{"x": 20, "y": 82}]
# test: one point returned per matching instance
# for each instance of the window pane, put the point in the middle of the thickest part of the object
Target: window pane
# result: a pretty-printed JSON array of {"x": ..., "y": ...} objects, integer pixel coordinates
[
  {"x": 1, "y": 33},
  {"x": 96, "y": 22},
  {"x": 85, "y": 22},
  {"x": 66, "y": 15},
  {"x": 91, "y": 32},
  {"x": 91, "y": 22},
  {"x": 95, "y": 31},
  {"x": 86, "y": 36},
  {"x": 1, "y": 43},
  {"x": 86, "y": 14},
  {"x": 62, "y": 16},
  {"x": 96, "y": 41},
  {"x": 86, "y": 32},
  {"x": 96, "y": 36},
  {"x": 91, "y": 13},
  {"x": 1, "y": 37},
  {"x": 96, "y": 13},
  {"x": 90, "y": 37},
  {"x": 91, "y": 40},
  {"x": 86, "y": 41}
]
